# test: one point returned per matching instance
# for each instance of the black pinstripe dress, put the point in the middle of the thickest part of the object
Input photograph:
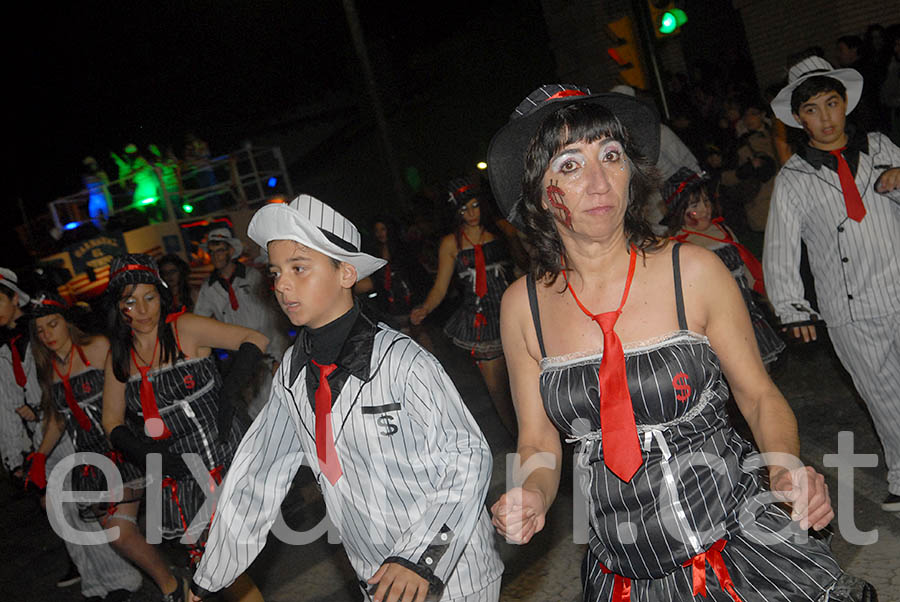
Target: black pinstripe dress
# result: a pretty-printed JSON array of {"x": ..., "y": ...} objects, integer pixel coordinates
[
  {"x": 87, "y": 387},
  {"x": 698, "y": 486},
  {"x": 187, "y": 394},
  {"x": 465, "y": 329}
]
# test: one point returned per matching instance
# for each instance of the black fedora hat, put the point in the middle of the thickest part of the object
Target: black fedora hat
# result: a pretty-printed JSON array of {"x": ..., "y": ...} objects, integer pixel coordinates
[{"x": 506, "y": 154}]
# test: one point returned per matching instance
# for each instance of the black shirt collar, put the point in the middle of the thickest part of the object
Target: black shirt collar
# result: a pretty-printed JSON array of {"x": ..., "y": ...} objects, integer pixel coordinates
[
  {"x": 856, "y": 143},
  {"x": 240, "y": 271},
  {"x": 347, "y": 341}
]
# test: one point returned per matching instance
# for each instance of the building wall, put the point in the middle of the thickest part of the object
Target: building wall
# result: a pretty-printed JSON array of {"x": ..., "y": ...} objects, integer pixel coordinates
[{"x": 776, "y": 28}]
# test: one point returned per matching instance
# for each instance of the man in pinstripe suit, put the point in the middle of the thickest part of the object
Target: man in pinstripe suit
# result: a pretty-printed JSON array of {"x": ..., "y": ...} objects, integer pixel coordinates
[
  {"x": 841, "y": 194},
  {"x": 401, "y": 463}
]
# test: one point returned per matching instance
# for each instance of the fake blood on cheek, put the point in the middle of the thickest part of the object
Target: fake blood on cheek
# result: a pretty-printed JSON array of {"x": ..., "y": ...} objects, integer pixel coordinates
[{"x": 555, "y": 196}]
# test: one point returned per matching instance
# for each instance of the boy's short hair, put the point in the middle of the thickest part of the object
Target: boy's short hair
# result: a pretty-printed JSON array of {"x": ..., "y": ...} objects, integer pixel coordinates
[{"x": 813, "y": 86}]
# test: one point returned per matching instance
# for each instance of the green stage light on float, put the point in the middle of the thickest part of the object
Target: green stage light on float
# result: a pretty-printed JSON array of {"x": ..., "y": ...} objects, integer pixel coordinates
[
  {"x": 187, "y": 208},
  {"x": 148, "y": 201}
]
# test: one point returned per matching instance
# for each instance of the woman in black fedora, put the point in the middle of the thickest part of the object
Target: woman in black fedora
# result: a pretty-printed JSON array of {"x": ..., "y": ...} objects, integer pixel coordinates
[{"x": 620, "y": 340}]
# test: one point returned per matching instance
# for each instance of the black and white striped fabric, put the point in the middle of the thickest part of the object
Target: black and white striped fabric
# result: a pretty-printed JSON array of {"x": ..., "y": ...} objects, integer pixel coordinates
[
  {"x": 769, "y": 343},
  {"x": 696, "y": 486},
  {"x": 854, "y": 263},
  {"x": 461, "y": 328},
  {"x": 415, "y": 474},
  {"x": 187, "y": 395},
  {"x": 16, "y": 438},
  {"x": 870, "y": 351},
  {"x": 87, "y": 387}
]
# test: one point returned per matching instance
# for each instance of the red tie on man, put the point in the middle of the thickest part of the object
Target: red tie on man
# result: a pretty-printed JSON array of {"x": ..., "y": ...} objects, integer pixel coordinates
[
  {"x": 232, "y": 298},
  {"x": 325, "y": 450},
  {"x": 855, "y": 208}
]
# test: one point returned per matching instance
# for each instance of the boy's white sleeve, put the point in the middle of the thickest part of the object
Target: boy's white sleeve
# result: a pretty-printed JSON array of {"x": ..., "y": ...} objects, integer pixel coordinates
[
  {"x": 781, "y": 252},
  {"x": 261, "y": 473},
  {"x": 433, "y": 545}
]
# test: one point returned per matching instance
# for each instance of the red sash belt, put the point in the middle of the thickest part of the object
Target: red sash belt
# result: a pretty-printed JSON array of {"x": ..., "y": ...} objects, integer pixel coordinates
[{"x": 622, "y": 585}]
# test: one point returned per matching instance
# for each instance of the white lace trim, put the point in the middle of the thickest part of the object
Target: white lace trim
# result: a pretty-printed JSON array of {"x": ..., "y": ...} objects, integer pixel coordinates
[{"x": 632, "y": 348}]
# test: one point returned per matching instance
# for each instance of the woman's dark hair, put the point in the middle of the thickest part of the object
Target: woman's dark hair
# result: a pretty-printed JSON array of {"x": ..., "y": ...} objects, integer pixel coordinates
[
  {"x": 675, "y": 214},
  {"x": 121, "y": 336},
  {"x": 572, "y": 123},
  {"x": 184, "y": 274},
  {"x": 394, "y": 242},
  {"x": 488, "y": 216},
  {"x": 43, "y": 361},
  {"x": 813, "y": 86}
]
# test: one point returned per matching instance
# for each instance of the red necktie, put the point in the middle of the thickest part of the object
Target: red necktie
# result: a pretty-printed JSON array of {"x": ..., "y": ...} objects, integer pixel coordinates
[
  {"x": 18, "y": 371},
  {"x": 855, "y": 208},
  {"x": 148, "y": 400},
  {"x": 325, "y": 450},
  {"x": 77, "y": 413},
  {"x": 232, "y": 298},
  {"x": 480, "y": 272},
  {"x": 387, "y": 282},
  {"x": 621, "y": 447}
]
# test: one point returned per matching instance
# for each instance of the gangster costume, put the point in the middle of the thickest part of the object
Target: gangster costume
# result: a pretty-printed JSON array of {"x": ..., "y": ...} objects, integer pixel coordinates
[
  {"x": 853, "y": 259},
  {"x": 401, "y": 463}
]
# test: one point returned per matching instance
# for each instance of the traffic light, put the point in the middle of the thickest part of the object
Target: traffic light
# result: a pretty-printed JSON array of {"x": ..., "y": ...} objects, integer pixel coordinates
[
  {"x": 626, "y": 53},
  {"x": 666, "y": 18}
]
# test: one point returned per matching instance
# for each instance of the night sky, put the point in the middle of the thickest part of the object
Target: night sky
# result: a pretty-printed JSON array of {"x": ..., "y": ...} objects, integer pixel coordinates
[{"x": 90, "y": 77}]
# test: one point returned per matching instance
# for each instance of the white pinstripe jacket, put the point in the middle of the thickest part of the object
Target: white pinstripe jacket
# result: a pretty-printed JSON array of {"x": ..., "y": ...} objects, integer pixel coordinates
[
  {"x": 855, "y": 265},
  {"x": 415, "y": 470},
  {"x": 14, "y": 439}
]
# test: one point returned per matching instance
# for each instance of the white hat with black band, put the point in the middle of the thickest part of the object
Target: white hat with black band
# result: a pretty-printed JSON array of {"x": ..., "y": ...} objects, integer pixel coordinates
[
  {"x": 813, "y": 66},
  {"x": 9, "y": 279},
  {"x": 312, "y": 223}
]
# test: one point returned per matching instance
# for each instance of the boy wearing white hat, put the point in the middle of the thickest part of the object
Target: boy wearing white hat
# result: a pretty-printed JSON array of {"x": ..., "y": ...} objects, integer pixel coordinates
[
  {"x": 233, "y": 292},
  {"x": 401, "y": 463},
  {"x": 840, "y": 194}
]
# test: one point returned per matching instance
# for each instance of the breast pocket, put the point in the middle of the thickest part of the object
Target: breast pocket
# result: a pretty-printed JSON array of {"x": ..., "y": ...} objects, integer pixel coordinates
[{"x": 384, "y": 418}]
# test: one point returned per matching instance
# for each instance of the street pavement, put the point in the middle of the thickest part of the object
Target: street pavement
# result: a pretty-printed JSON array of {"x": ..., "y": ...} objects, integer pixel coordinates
[{"x": 547, "y": 569}]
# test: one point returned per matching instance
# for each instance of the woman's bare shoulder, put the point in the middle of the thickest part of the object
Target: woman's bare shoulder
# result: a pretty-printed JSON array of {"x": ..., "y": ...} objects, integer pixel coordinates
[{"x": 95, "y": 349}]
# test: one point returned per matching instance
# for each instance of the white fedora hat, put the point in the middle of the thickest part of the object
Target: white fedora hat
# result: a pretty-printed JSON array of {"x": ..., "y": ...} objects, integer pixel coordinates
[
  {"x": 312, "y": 223},
  {"x": 811, "y": 67},
  {"x": 224, "y": 235},
  {"x": 9, "y": 279}
]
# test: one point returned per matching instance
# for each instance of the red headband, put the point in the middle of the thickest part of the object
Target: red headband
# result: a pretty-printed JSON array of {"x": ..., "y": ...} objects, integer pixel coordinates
[
  {"x": 52, "y": 302},
  {"x": 133, "y": 266},
  {"x": 565, "y": 93},
  {"x": 681, "y": 188}
]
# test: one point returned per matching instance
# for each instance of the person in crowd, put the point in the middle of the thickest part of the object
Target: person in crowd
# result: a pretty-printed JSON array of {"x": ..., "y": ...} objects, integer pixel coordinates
[
  {"x": 890, "y": 85},
  {"x": 393, "y": 291},
  {"x": 756, "y": 162},
  {"x": 693, "y": 217},
  {"x": 176, "y": 273},
  {"x": 620, "y": 340},
  {"x": 673, "y": 155},
  {"x": 96, "y": 183},
  {"x": 236, "y": 293},
  {"x": 69, "y": 366},
  {"x": 477, "y": 251},
  {"x": 163, "y": 395},
  {"x": 839, "y": 195},
  {"x": 233, "y": 294},
  {"x": 402, "y": 465},
  {"x": 21, "y": 425}
]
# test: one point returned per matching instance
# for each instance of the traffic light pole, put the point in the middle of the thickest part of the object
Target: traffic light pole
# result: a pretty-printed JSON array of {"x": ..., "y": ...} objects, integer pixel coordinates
[{"x": 643, "y": 20}]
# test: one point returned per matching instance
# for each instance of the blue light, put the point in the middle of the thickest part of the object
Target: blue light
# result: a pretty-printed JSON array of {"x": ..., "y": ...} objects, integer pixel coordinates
[
  {"x": 273, "y": 182},
  {"x": 71, "y": 225}
]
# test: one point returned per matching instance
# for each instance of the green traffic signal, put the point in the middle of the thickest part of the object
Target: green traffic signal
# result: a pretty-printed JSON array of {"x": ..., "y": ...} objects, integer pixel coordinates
[{"x": 671, "y": 20}]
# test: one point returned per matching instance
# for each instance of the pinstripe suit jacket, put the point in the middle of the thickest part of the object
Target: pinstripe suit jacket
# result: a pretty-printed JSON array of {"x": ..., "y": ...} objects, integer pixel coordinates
[
  {"x": 415, "y": 470},
  {"x": 855, "y": 265}
]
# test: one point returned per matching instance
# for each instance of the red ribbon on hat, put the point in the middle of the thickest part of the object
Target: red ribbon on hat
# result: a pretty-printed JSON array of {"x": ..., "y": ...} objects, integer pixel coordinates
[
  {"x": 565, "y": 93},
  {"x": 134, "y": 266}
]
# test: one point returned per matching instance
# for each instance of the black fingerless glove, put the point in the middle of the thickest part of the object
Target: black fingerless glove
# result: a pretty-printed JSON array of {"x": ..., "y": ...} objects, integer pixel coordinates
[
  {"x": 243, "y": 366},
  {"x": 137, "y": 451}
]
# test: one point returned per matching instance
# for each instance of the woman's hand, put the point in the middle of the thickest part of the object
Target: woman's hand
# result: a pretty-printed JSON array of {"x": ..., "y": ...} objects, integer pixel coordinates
[
  {"x": 26, "y": 413},
  {"x": 519, "y": 514},
  {"x": 417, "y": 315},
  {"x": 805, "y": 490}
]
